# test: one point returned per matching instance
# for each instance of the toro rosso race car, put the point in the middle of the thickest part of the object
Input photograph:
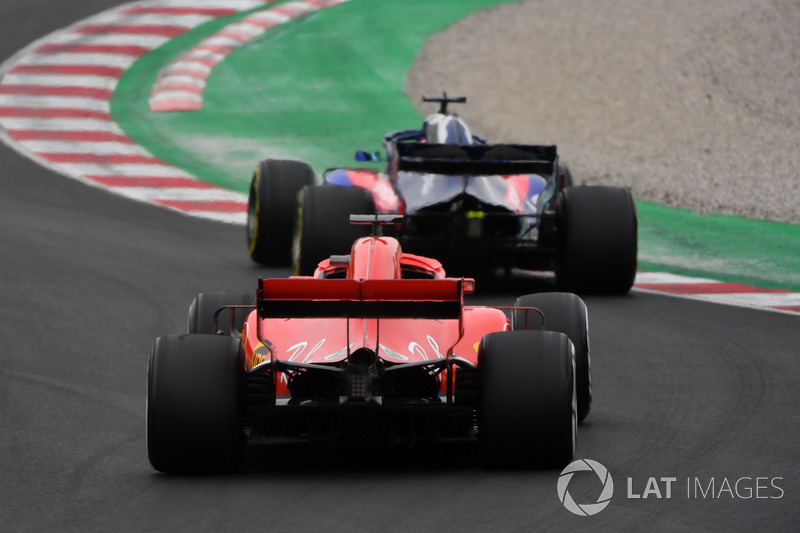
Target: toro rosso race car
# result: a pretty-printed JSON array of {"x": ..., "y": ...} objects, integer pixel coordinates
[
  {"x": 475, "y": 206},
  {"x": 376, "y": 348}
]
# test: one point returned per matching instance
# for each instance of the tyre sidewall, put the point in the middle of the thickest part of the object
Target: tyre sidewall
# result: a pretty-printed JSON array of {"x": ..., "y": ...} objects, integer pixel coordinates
[
  {"x": 526, "y": 399},
  {"x": 206, "y": 304},
  {"x": 598, "y": 236},
  {"x": 323, "y": 223},
  {"x": 195, "y": 399},
  {"x": 272, "y": 206},
  {"x": 566, "y": 313}
]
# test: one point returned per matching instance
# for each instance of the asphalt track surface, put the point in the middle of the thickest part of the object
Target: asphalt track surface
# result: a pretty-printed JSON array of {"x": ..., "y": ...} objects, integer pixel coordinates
[{"x": 683, "y": 389}]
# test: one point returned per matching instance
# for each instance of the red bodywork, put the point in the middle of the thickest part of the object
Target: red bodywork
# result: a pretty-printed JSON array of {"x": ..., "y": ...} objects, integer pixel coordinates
[{"x": 364, "y": 301}]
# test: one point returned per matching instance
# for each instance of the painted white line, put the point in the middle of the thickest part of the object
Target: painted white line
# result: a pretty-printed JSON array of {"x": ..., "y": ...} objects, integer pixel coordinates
[
  {"x": 61, "y": 124},
  {"x": 185, "y": 67},
  {"x": 126, "y": 169},
  {"x": 717, "y": 292},
  {"x": 267, "y": 18},
  {"x": 110, "y": 39},
  {"x": 204, "y": 56},
  {"x": 240, "y": 219},
  {"x": 50, "y": 80},
  {"x": 52, "y": 102},
  {"x": 720, "y": 299},
  {"x": 664, "y": 278},
  {"x": 238, "y": 5},
  {"x": 180, "y": 80},
  {"x": 299, "y": 7},
  {"x": 66, "y": 58},
  {"x": 167, "y": 94},
  {"x": 222, "y": 41},
  {"x": 241, "y": 32},
  {"x": 147, "y": 19},
  {"x": 791, "y": 299},
  {"x": 183, "y": 194},
  {"x": 84, "y": 147}
]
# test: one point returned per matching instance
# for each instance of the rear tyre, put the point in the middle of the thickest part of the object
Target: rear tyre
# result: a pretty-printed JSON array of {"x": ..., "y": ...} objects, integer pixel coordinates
[
  {"x": 195, "y": 404},
  {"x": 323, "y": 223},
  {"x": 205, "y": 304},
  {"x": 272, "y": 209},
  {"x": 566, "y": 313},
  {"x": 598, "y": 233},
  {"x": 526, "y": 399},
  {"x": 563, "y": 170}
]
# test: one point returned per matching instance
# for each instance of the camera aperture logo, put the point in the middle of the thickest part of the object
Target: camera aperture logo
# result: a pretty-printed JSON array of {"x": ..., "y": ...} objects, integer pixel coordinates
[
  {"x": 585, "y": 509},
  {"x": 748, "y": 487}
]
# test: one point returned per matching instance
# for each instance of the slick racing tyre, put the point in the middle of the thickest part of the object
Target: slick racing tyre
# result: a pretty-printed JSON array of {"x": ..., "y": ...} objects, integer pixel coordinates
[
  {"x": 323, "y": 223},
  {"x": 195, "y": 404},
  {"x": 205, "y": 304},
  {"x": 566, "y": 313},
  {"x": 563, "y": 170},
  {"x": 526, "y": 399},
  {"x": 598, "y": 232},
  {"x": 272, "y": 209}
]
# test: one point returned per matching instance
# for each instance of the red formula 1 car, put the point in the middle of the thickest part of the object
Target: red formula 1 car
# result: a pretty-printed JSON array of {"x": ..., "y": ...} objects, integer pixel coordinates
[{"x": 377, "y": 347}]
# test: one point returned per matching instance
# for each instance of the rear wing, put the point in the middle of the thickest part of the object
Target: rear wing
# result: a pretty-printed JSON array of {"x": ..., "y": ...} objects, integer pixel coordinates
[
  {"x": 375, "y": 298},
  {"x": 476, "y": 159}
]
